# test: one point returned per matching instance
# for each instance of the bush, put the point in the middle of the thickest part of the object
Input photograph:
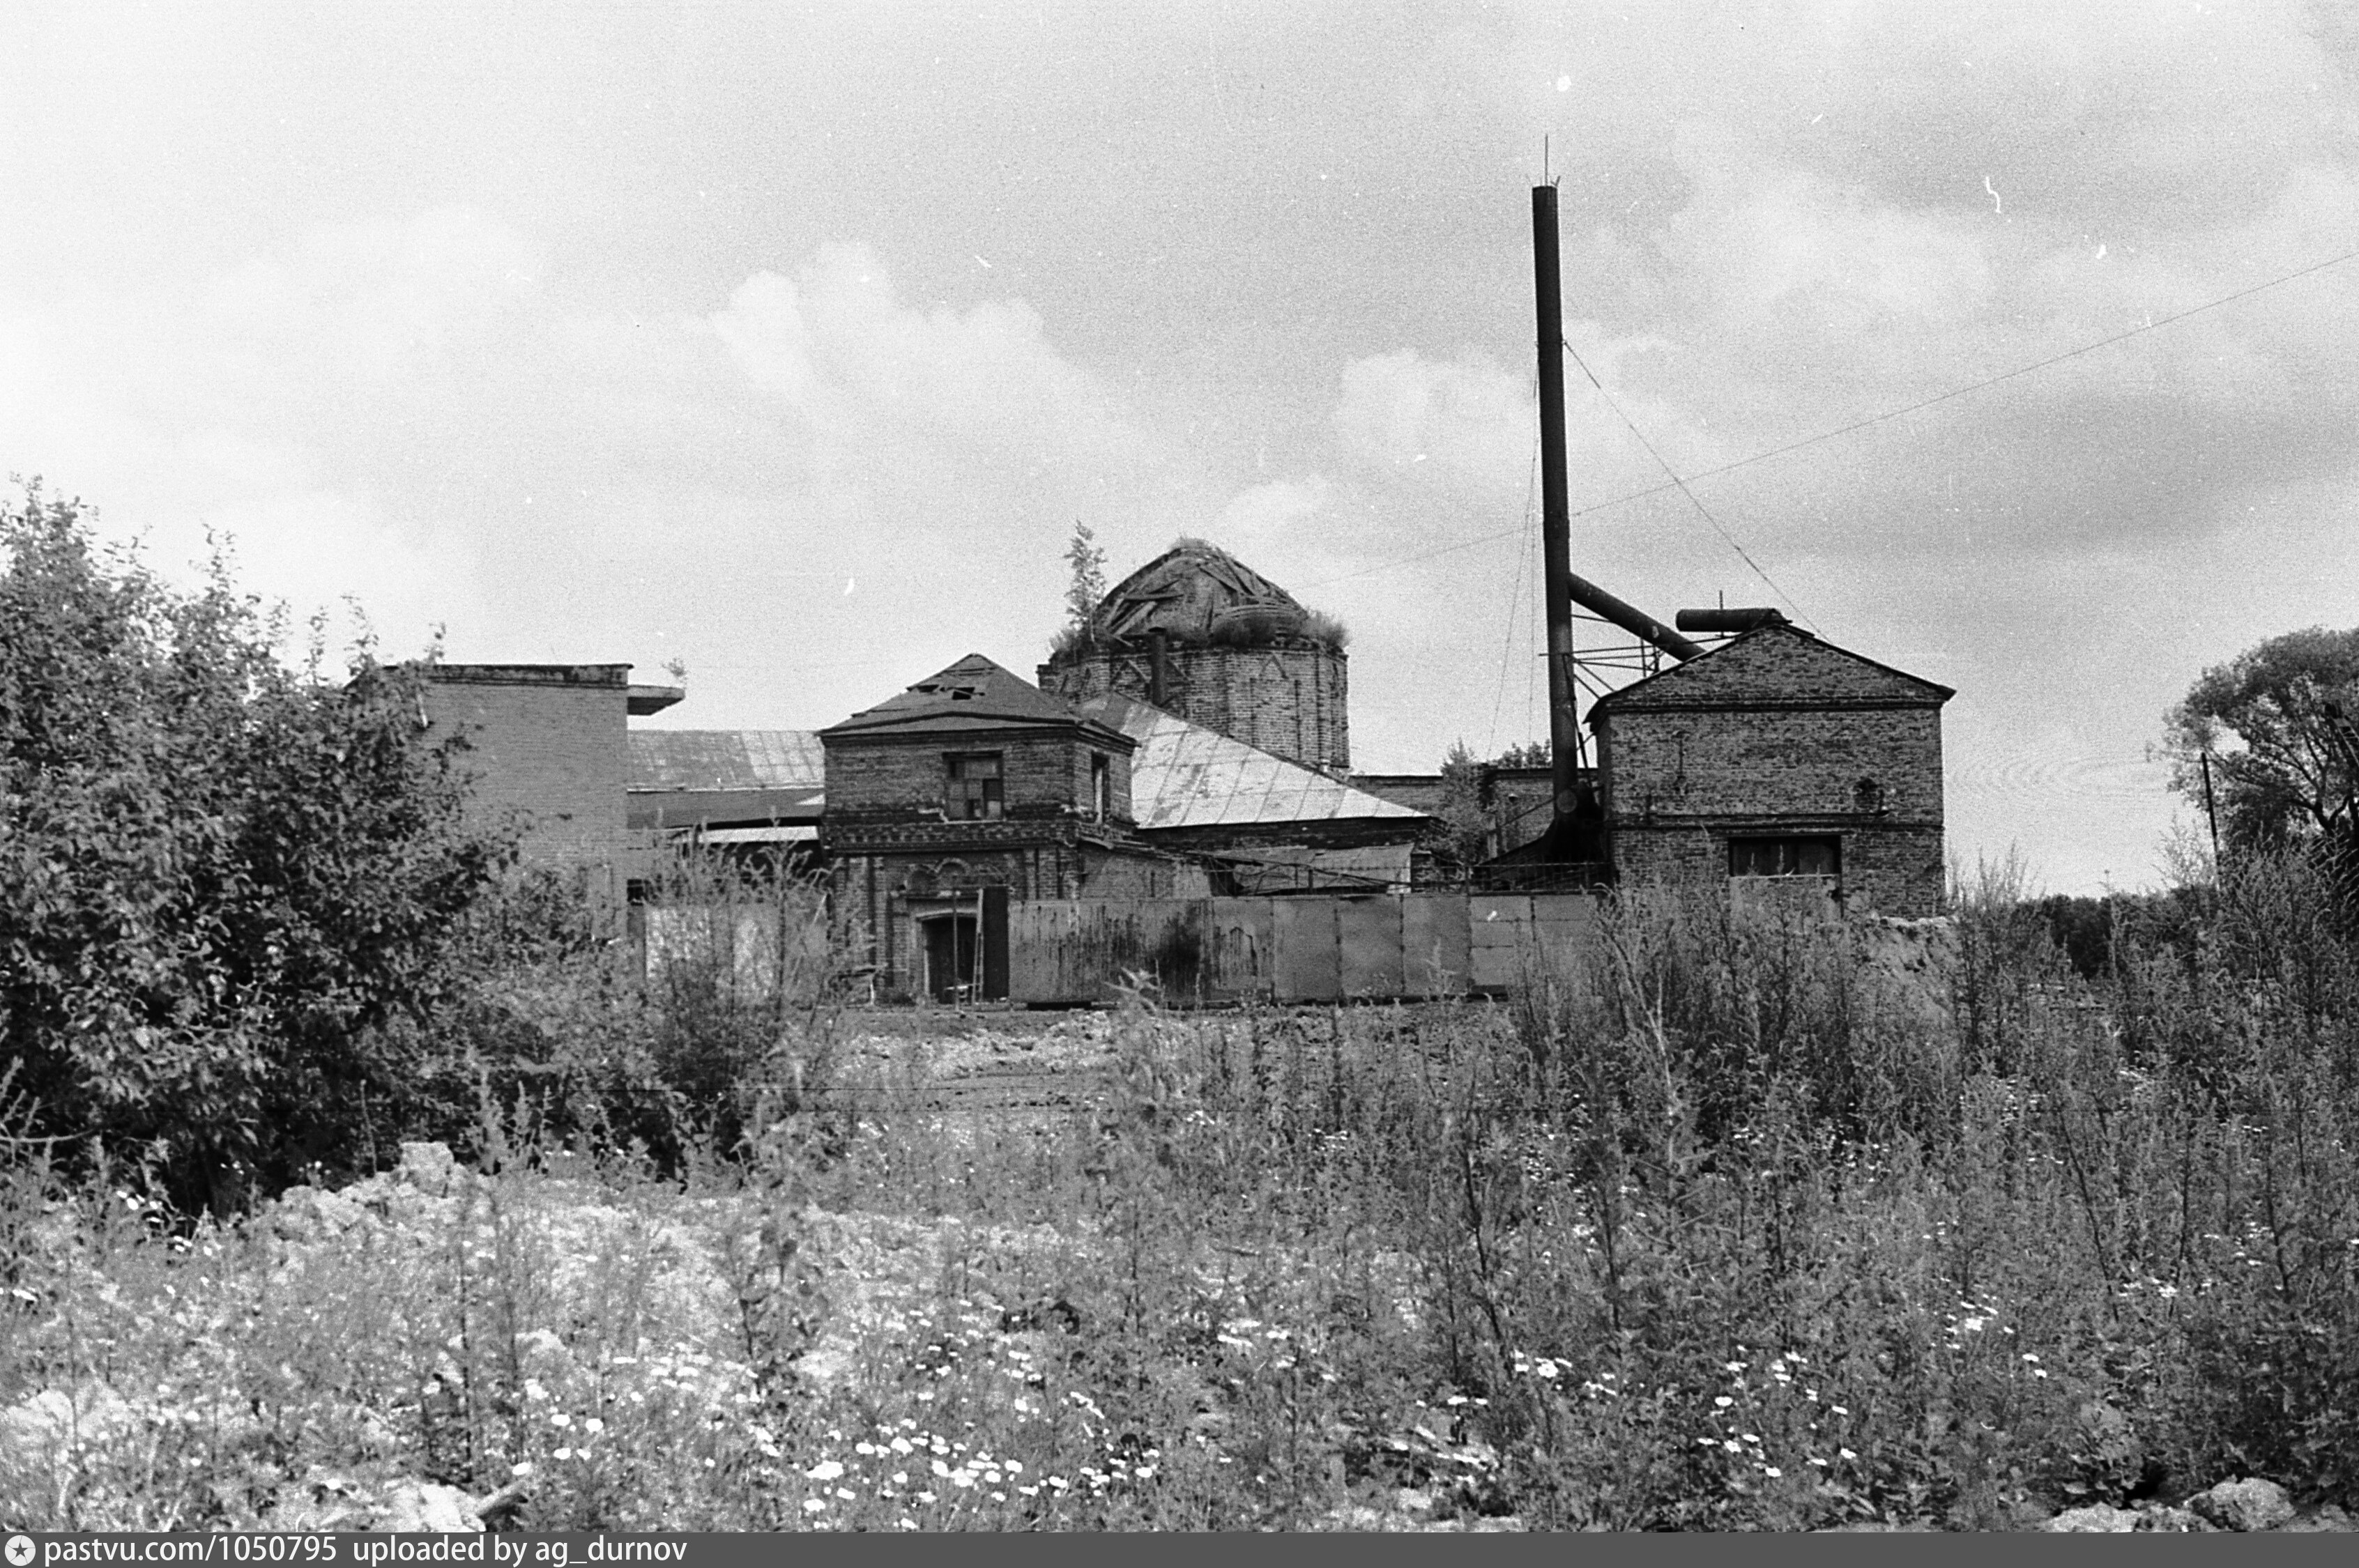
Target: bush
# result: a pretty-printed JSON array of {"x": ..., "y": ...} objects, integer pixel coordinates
[{"x": 224, "y": 877}]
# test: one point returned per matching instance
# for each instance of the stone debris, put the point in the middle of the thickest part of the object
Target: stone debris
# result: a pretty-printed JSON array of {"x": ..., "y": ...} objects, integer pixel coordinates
[
  {"x": 2097, "y": 1519},
  {"x": 410, "y": 1506},
  {"x": 2246, "y": 1505},
  {"x": 46, "y": 1425}
]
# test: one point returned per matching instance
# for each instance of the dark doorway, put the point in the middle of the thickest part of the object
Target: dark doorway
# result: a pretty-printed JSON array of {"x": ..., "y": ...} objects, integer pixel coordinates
[{"x": 950, "y": 958}]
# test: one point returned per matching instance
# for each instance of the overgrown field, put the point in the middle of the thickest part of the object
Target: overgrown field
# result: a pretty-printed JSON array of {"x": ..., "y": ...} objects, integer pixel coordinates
[{"x": 1729, "y": 1224}]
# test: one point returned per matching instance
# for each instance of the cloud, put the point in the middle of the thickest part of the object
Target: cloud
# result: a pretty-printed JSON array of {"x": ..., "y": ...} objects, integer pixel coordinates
[{"x": 414, "y": 413}]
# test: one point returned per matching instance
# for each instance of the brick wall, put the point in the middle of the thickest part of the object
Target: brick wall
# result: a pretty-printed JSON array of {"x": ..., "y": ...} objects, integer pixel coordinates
[
  {"x": 547, "y": 743},
  {"x": 1293, "y": 702},
  {"x": 1778, "y": 762},
  {"x": 886, "y": 880},
  {"x": 1044, "y": 774}
]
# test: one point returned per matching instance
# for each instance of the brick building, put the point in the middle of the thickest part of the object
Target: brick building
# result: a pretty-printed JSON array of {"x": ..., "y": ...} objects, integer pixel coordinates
[
  {"x": 1199, "y": 633},
  {"x": 971, "y": 788},
  {"x": 1778, "y": 756},
  {"x": 547, "y": 755}
]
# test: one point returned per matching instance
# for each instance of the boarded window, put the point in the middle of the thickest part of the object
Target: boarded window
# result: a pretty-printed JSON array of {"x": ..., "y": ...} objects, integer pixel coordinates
[
  {"x": 1792, "y": 856},
  {"x": 1100, "y": 786},
  {"x": 975, "y": 792}
]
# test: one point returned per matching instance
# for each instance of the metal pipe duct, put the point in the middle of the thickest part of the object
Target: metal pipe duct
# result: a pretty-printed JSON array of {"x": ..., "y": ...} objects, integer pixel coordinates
[
  {"x": 1726, "y": 620},
  {"x": 1633, "y": 619}
]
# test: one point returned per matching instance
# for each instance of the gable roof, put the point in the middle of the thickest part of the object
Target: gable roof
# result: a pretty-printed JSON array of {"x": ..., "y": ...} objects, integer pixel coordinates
[
  {"x": 1184, "y": 775},
  {"x": 1774, "y": 667},
  {"x": 973, "y": 694}
]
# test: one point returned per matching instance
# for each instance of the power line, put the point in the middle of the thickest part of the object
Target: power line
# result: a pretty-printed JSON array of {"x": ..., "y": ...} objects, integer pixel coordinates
[
  {"x": 1640, "y": 436},
  {"x": 1507, "y": 636},
  {"x": 1677, "y": 482}
]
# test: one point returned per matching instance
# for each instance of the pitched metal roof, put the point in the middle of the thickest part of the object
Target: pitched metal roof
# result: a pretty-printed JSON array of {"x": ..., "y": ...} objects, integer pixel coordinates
[
  {"x": 972, "y": 694},
  {"x": 725, "y": 759},
  {"x": 1184, "y": 775}
]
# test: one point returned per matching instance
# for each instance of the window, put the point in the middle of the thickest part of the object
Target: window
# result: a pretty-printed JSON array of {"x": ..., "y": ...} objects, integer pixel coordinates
[
  {"x": 974, "y": 794},
  {"x": 1786, "y": 857},
  {"x": 1100, "y": 786}
]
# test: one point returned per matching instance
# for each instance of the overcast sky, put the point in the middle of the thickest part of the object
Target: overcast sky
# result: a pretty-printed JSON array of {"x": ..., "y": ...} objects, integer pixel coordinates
[{"x": 791, "y": 342}]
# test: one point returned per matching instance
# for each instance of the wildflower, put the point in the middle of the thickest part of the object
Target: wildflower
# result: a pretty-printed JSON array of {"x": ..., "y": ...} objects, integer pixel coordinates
[
  {"x": 825, "y": 1470},
  {"x": 940, "y": 1468},
  {"x": 1772, "y": 1472},
  {"x": 558, "y": 1418},
  {"x": 1732, "y": 1368},
  {"x": 2029, "y": 1357},
  {"x": 1722, "y": 1401},
  {"x": 1837, "y": 1409},
  {"x": 594, "y": 1425},
  {"x": 1846, "y": 1454},
  {"x": 844, "y": 1492},
  {"x": 562, "y": 1453},
  {"x": 814, "y": 1505}
]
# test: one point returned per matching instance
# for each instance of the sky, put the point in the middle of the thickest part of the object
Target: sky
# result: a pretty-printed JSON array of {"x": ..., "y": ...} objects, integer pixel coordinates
[{"x": 791, "y": 342}]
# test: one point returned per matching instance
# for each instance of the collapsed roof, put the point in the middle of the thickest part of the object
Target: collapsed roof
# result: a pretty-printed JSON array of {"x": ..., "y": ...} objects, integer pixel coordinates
[{"x": 1198, "y": 593}]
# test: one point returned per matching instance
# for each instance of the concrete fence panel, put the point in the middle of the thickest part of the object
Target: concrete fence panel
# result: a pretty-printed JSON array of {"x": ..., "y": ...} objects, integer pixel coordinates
[{"x": 1368, "y": 943}]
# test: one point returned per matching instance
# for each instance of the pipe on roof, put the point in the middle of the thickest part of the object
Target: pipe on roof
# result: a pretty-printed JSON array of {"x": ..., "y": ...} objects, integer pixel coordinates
[
  {"x": 1726, "y": 620},
  {"x": 1633, "y": 619}
]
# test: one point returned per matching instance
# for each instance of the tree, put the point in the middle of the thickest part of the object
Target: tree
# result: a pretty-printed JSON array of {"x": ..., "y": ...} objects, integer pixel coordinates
[
  {"x": 1464, "y": 810},
  {"x": 222, "y": 876},
  {"x": 1087, "y": 585},
  {"x": 2279, "y": 723}
]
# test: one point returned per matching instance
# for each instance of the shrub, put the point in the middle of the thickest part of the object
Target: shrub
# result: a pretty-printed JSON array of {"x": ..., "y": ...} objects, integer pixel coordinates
[{"x": 224, "y": 875}]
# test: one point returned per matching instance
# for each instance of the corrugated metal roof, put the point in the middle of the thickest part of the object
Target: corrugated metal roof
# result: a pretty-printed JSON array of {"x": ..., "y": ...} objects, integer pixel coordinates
[
  {"x": 1187, "y": 776},
  {"x": 726, "y": 759}
]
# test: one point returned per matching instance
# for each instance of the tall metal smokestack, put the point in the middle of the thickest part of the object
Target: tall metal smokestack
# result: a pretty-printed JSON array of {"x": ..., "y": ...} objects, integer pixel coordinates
[{"x": 1556, "y": 509}]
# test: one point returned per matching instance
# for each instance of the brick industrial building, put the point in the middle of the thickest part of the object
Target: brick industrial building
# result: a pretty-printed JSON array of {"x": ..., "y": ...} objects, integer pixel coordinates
[
  {"x": 1777, "y": 755},
  {"x": 1772, "y": 759}
]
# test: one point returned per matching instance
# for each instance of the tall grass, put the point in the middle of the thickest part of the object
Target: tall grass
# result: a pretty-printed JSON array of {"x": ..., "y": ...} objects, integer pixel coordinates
[{"x": 1731, "y": 1220}]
